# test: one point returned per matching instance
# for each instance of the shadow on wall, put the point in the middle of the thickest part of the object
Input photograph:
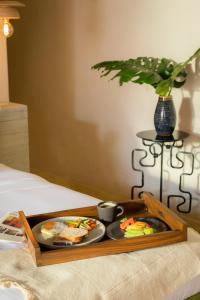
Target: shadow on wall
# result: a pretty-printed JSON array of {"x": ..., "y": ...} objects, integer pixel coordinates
[
  {"x": 187, "y": 115},
  {"x": 191, "y": 87},
  {"x": 192, "y": 144},
  {"x": 186, "y": 109}
]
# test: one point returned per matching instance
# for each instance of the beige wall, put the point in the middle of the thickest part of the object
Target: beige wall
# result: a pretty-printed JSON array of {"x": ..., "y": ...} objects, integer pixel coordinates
[{"x": 82, "y": 128}]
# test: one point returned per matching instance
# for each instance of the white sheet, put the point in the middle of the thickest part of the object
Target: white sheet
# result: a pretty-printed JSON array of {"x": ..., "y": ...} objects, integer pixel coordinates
[
  {"x": 24, "y": 191},
  {"x": 33, "y": 194}
]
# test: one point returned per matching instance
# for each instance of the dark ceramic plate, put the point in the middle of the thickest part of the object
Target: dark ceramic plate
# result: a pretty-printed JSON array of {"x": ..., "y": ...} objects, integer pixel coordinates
[{"x": 114, "y": 232}]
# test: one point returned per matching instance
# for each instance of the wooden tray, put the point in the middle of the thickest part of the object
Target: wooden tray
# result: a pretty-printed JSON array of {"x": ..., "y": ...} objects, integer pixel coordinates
[{"x": 149, "y": 206}]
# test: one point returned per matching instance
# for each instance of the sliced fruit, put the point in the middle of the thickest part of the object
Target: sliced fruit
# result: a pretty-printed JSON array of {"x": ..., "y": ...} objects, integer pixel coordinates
[
  {"x": 128, "y": 222},
  {"x": 149, "y": 230}
]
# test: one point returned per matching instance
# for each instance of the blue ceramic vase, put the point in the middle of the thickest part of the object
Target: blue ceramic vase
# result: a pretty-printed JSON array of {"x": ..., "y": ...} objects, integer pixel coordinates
[{"x": 165, "y": 116}]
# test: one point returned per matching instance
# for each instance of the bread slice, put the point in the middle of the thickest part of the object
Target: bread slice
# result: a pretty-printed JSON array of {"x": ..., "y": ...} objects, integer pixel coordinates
[{"x": 75, "y": 235}]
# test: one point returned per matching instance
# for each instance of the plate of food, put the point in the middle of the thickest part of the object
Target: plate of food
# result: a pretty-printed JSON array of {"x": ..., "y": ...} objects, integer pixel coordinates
[
  {"x": 133, "y": 227},
  {"x": 68, "y": 231}
]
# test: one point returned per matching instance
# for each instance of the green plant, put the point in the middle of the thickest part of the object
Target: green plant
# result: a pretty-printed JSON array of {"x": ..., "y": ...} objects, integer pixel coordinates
[{"x": 162, "y": 74}]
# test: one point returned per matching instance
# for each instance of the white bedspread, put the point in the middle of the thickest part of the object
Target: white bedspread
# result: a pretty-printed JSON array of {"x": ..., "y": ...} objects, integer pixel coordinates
[
  {"x": 33, "y": 194},
  {"x": 165, "y": 273},
  {"x": 152, "y": 274}
]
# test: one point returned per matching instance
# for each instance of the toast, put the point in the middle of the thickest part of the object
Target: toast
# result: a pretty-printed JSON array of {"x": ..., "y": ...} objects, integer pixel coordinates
[{"x": 75, "y": 235}]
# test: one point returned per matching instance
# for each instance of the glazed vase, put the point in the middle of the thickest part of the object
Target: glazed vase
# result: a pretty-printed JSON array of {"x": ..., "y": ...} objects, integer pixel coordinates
[{"x": 165, "y": 116}]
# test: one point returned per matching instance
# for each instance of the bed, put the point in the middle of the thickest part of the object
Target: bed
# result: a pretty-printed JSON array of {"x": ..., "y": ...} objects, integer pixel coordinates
[{"x": 170, "y": 272}]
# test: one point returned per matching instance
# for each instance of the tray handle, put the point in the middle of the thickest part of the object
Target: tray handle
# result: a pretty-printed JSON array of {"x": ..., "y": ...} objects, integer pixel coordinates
[{"x": 158, "y": 209}]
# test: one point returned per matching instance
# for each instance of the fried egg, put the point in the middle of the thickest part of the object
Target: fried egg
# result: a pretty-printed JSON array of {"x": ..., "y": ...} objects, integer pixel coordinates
[{"x": 51, "y": 229}]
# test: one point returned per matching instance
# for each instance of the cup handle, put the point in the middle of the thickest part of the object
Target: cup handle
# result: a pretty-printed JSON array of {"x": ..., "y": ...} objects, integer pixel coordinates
[{"x": 122, "y": 210}]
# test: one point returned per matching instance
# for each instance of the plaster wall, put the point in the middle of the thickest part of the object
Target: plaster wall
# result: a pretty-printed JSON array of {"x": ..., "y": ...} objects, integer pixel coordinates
[{"x": 83, "y": 128}]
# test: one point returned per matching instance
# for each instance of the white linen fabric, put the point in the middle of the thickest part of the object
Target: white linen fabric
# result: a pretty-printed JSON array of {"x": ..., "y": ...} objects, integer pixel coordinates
[
  {"x": 164, "y": 273},
  {"x": 12, "y": 293},
  {"x": 33, "y": 194},
  {"x": 152, "y": 274}
]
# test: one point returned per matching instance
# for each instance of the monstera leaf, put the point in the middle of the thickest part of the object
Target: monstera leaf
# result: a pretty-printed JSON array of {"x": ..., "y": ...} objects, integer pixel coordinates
[{"x": 153, "y": 71}]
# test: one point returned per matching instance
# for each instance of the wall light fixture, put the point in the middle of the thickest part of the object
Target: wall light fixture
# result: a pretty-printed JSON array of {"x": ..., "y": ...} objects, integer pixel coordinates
[{"x": 8, "y": 11}]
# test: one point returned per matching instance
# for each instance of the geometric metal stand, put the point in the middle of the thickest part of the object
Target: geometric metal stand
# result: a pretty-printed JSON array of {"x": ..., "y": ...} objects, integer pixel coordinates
[
  {"x": 181, "y": 180},
  {"x": 156, "y": 145}
]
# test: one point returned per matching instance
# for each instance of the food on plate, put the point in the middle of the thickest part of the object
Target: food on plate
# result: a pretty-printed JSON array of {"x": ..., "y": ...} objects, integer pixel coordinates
[
  {"x": 73, "y": 223},
  {"x": 65, "y": 230},
  {"x": 51, "y": 229},
  {"x": 134, "y": 228},
  {"x": 126, "y": 222},
  {"x": 75, "y": 235},
  {"x": 86, "y": 223}
]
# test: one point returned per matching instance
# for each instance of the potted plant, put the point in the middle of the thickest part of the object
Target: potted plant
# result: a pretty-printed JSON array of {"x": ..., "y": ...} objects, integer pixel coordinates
[{"x": 162, "y": 74}]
